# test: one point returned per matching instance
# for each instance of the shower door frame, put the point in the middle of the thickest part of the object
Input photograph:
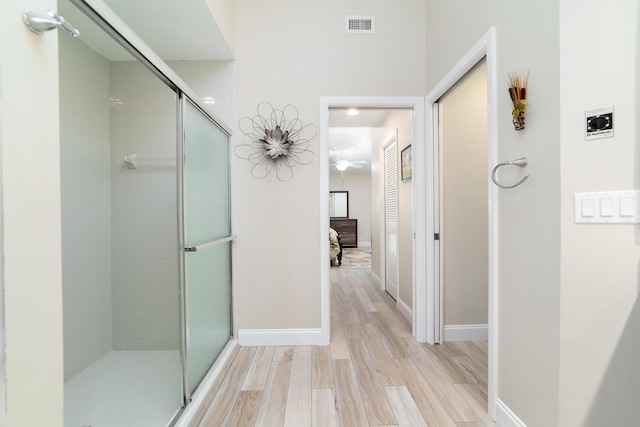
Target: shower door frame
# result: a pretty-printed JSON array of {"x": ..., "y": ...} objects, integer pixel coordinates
[
  {"x": 182, "y": 101},
  {"x": 113, "y": 26}
]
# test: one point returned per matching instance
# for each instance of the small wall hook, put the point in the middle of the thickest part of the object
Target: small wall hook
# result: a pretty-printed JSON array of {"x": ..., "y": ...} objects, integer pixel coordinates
[{"x": 521, "y": 162}]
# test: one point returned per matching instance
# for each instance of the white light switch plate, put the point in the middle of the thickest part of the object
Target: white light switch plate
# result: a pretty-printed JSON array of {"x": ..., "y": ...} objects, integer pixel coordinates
[{"x": 607, "y": 207}]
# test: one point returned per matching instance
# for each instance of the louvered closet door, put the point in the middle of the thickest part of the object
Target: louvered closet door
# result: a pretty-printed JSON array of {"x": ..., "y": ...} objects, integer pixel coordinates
[{"x": 391, "y": 218}]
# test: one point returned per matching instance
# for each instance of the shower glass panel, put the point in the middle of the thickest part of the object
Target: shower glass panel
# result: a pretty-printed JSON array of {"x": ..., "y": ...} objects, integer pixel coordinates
[
  {"x": 209, "y": 275},
  {"x": 207, "y": 230},
  {"x": 120, "y": 235},
  {"x": 206, "y": 177}
]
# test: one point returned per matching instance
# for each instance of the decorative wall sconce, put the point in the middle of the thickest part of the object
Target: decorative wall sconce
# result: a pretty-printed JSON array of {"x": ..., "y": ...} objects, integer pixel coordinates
[
  {"x": 273, "y": 141},
  {"x": 518, "y": 93}
]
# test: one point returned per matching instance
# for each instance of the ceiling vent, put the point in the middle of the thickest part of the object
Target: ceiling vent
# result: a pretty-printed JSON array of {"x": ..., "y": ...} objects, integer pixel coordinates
[{"x": 360, "y": 24}]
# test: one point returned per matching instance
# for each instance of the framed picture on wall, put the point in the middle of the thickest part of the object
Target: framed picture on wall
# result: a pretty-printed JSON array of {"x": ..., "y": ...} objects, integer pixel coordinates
[{"x": 405, "y": 162}]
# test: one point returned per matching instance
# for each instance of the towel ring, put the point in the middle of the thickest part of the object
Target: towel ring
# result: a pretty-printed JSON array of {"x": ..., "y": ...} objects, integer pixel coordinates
[{"x": 521, "y": 162}]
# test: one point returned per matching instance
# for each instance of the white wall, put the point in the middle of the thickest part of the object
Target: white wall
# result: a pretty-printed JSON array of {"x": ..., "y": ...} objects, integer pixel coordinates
[
  {"x": 570, "y": 290},
  {"x": 359, "y": 187},
  {"x": 529, "y": 216},
  {"x": 307, "y": 56},
  {"x": 144, "y": 213},
  {"x": 210, "y": 79},
  {"x": 223, "y": 12},
  {"x": 86, "y": 204},
  {"x": 600, "y": 315},
  {"x": 31, "y": 230},
  {"x": 464, "y": 223}
]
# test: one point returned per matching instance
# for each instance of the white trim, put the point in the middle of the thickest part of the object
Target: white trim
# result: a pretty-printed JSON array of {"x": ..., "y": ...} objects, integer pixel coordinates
[
  {"x": 325, "y": 288},
  {"x": 485, "y": 47},
  {"x": 364, "y": 244},
  {"x": 420, "y": 182},
  {"x": 466, "y": 333},
  {"x": 275, "y": 337},
  {"x": 505, "y": 417},
  {"x": 427, "y": 303},
  {"x": 405, "y": 310},
  {"x": 375, "y": 277},
  {"x": 198, "y": 398}
]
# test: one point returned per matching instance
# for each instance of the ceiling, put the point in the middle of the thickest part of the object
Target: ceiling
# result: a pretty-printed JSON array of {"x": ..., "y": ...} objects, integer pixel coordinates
[
  {"x": 184, "y": 30},
  {"x": 175, "y": 30},
  {"x": 350, "y": 136}
]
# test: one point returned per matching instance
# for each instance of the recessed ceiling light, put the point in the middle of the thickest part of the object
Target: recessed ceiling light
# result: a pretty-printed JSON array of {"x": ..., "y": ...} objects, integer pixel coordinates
[
  {"x": 353, "y": 112},
  {"x": 209, "y": 100}
]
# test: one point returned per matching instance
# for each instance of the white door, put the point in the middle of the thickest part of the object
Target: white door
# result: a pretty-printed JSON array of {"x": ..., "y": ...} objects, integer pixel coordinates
[{"x": 391, "y": 218}]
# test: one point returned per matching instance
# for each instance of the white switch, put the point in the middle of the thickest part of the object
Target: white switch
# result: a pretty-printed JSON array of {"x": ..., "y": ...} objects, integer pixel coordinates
[
  {"x": 606, "y": 206},
  {"x": 588, "y": 208},
  {"x": 627, "y": 206}
]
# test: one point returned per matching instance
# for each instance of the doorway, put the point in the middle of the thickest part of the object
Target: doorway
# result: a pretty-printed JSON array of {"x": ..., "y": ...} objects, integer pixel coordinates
[
  {"x": 484, "y": 48},
  {"x": 463, "y": 209},
  {"x": 413, "y": 108}
]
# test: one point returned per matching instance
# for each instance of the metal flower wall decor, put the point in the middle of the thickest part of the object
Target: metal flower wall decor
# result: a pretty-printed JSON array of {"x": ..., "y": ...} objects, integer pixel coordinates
[{"x": 273, "y": 141}]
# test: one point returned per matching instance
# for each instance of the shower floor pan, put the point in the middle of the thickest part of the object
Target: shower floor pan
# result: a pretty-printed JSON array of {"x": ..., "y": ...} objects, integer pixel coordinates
[{"x": 125, "y": 388}]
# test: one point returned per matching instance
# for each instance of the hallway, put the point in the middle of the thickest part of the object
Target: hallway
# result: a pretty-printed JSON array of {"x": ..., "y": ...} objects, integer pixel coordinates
[{"x": 373, "y": 373}]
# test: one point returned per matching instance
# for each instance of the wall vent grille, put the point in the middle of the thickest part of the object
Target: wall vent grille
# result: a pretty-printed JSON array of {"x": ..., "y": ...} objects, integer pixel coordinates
[{"x": 360, "y": 24}]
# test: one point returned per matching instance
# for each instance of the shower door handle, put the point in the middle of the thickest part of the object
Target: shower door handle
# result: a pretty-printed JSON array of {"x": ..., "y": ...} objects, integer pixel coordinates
[{"x": 209, "y": 244}]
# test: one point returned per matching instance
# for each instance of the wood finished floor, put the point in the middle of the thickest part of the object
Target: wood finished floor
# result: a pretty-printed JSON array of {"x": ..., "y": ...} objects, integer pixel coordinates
[{"x": 373, "y": 373}]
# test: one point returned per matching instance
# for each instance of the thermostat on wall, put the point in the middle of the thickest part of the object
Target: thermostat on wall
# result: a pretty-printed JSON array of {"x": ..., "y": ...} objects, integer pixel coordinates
[{"x": 599, "y": 123}]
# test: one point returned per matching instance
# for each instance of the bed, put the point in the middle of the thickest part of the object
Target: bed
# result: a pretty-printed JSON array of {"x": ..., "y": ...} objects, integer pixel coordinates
[{"x": 335, "y": 247}]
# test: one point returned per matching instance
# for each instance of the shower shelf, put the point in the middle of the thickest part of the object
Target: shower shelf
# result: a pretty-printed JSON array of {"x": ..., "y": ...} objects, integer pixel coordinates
[{"x": 132, "y": 161}]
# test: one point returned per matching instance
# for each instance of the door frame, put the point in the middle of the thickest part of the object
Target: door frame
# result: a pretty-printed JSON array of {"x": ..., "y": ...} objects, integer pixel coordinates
[
  {"x": 421, "y": 181},
  {"x": 484, "y": 48}
]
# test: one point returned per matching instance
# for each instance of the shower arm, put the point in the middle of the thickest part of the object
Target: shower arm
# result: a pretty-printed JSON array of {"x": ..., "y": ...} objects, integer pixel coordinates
[{"x": 39, "y": 23}]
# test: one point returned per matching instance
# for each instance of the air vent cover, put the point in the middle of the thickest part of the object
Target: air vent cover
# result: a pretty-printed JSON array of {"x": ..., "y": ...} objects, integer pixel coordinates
[{"x": 360, "y": 24}]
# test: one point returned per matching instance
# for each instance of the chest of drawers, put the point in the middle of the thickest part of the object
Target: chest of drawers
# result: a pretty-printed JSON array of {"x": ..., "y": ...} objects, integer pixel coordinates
[{"x": 348, "y": 230}]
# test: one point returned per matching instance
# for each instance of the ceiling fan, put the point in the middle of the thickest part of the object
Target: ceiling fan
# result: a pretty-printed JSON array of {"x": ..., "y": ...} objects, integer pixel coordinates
[{"x": 342, "y": 165}]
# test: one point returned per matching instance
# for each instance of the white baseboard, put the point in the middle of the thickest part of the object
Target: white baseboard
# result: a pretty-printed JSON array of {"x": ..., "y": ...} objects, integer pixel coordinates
[
  {"x": 282, "y": 337},
  {"x": 198, "y": 399},
  {"x": 407, "y": 312},
  {"x": 364, "y": 244},
  {"x": 505, "y": 416},
  {"x": 466, "y": 333},
  {"x": 376, "y": 279}
]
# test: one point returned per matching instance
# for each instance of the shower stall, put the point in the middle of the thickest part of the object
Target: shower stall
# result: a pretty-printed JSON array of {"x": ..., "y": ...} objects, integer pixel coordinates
[{"x": 146, "y": 231}]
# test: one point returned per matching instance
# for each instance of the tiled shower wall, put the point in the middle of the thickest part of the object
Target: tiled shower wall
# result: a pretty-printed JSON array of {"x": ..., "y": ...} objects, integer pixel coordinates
[
  {"x": 119, "y": 225},
  {"x": 86, "y": 205},
  {"x": 144, "y": 214}
]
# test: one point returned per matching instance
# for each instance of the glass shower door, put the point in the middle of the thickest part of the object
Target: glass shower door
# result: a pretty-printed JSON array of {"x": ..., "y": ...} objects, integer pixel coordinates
[{"x": 207, "y": 241}]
